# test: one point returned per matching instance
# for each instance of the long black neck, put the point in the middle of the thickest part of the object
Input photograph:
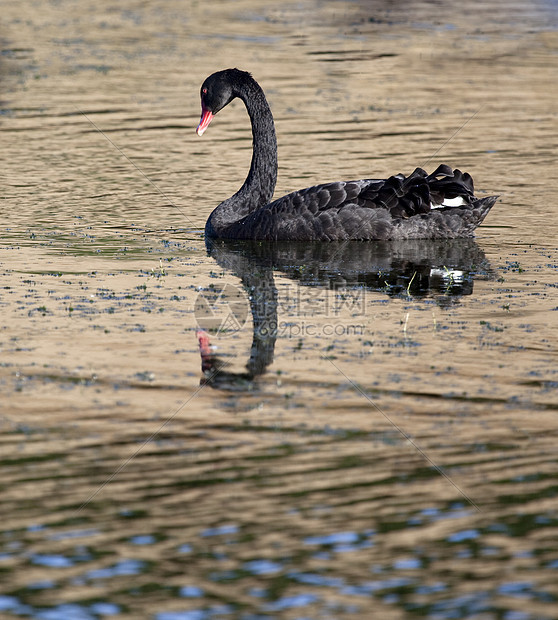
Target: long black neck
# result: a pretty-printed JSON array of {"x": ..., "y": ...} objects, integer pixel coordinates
[{"x": 259, "y": 185}]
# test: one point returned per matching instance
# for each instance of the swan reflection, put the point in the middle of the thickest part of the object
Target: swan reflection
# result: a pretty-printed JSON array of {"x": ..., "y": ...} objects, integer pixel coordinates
[{"x": 336, "y": 273}]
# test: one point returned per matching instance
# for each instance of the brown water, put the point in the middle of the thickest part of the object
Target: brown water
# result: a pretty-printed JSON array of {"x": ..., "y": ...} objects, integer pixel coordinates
[{"x": 375, "y": 434}]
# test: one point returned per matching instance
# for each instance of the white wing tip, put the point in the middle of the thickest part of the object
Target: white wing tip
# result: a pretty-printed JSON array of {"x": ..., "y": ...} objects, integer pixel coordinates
[{"x": 458, "y": 201}]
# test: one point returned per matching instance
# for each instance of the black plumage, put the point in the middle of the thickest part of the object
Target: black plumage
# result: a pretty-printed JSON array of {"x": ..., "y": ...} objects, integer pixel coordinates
[{"x": 400, "y": 207}]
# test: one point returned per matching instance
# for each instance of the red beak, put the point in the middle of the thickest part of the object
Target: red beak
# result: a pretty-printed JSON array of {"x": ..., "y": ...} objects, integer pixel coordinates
[{"x": 204, "y": 121}]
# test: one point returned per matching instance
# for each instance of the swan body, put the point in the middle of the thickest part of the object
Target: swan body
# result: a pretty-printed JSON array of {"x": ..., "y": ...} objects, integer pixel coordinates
[{"x": 441, "y": 205}]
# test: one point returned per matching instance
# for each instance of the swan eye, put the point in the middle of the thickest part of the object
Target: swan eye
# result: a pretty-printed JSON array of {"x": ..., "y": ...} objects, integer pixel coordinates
[{"x": 204, "y": 91}]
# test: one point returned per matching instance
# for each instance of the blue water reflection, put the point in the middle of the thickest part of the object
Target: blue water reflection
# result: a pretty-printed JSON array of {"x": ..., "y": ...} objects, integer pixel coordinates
[
  {"x": 124, "y": 567},
  {"x": 290, "y": 602},
  {"x": 145, "y": 539},
  {"x": 191, "y": 592},
  {"x": 68, "y": 611},
  {"x": 262, "y": 567},
  {"x": 220, "y": 530},
  {"x": 52, "y": 561}
]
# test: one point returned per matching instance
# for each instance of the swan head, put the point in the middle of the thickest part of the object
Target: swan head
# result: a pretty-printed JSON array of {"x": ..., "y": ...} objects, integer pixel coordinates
[{"x": 217, "y": 91}]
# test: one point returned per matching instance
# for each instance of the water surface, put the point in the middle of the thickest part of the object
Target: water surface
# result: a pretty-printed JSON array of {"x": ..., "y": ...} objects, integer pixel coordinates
[{"x": 367, "y": 430}]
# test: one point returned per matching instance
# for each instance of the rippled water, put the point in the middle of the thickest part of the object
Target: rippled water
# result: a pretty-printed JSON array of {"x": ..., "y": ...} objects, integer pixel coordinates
[{"x": 365, "y": 430}]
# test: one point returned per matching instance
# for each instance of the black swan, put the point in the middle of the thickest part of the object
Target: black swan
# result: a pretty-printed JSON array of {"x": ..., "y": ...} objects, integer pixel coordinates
[{"x": 440, "y": 205}]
